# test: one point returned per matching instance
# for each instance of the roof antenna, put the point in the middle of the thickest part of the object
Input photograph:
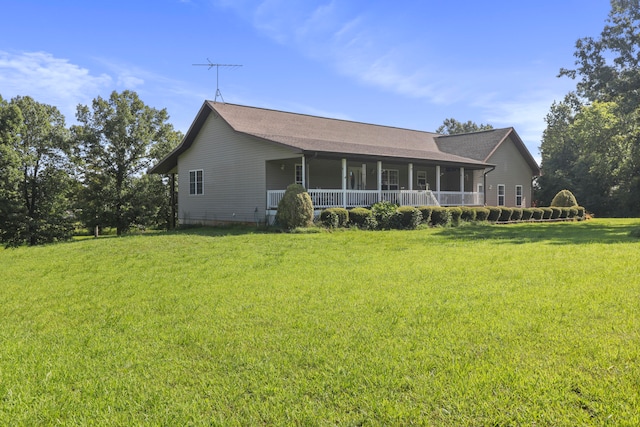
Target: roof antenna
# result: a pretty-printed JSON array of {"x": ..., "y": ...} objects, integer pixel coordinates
[{"x": 211, "y": 65}]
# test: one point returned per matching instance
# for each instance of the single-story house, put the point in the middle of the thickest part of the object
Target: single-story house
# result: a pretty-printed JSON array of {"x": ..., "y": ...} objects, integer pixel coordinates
[{"x": 235, "y": 163}]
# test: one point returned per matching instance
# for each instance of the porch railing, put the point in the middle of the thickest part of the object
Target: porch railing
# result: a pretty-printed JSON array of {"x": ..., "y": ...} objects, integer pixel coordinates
[{"x": 354, "y": 198}]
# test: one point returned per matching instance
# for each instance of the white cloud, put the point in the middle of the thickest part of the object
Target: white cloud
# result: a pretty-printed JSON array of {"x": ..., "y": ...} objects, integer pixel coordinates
[{"x": 49, "y": 80}]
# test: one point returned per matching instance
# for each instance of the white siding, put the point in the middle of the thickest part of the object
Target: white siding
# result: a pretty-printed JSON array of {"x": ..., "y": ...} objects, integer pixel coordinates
[
  {"x": 511, "y": 170},
  {"x": 234, "y": 175}
]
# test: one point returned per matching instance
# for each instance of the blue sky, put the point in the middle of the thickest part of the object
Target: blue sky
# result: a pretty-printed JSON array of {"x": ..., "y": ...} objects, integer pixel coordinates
[{"x": 408, "y": 64}]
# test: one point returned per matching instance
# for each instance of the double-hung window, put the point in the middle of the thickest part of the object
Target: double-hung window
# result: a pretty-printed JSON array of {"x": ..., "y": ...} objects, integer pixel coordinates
[
  {"x": 500, "y": 194},
  {"x": 196, "y": 182},
  {"x": 518, "y": 195},
  {"x": 298, "y": 173}
]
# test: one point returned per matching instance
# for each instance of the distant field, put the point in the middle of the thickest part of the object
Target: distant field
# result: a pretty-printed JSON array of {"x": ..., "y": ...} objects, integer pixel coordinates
[{"x": 472, "y": 326}]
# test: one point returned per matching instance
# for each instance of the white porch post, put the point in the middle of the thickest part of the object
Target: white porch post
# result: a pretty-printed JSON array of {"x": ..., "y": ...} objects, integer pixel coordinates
[
  {"x": 410, "y": 176},
  {"x": 438, "y": 179},
  {"x": 304, "y": 173},
  {"x": 462, "y": 180},
  {"x": 379, "y": 181},
  {"x": 364, "y": 176},
  {"x": 344, "y": 183}
]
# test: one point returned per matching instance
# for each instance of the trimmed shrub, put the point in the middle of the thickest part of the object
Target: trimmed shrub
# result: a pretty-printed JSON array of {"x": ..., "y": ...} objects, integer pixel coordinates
[
  {"x": 358, "y": 216},
  {"x": 538, "y": 213},
  {"x": 410, "y": 217},
  {"x": 370, "y": 223},
  {"x": 426, "y": 213},
  {"x": 440, "y": 216},
  {"x": 505, "y": 214},
  {"x": 555, "y": 212},
  {"x": 573, "y": 212},
  {"x": 468, "y": 214},
  {"x": 527, "y": 214},
  {"x": 342, "y": 213},
  {"x": 581, "y": 212},
  {"x": 564, "y": 212},
  {"x": 494, "y": 213},
  {"x": 456, "y": 214},
  {"x": 564, "y": 198},
  {"x": 386, "y": 215},
  {"x": 295, "y": 209},
  {"x": 516, "y": 215},
  {"x": 546, "y": 213},
  {"x": 482, "y": 214},
  {"x": 329, "y": 219}
]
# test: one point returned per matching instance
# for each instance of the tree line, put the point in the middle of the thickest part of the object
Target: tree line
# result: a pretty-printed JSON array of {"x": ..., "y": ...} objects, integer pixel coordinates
[
  {"x": 54, "y": 178},
  {"x": 591, "y": 144}
]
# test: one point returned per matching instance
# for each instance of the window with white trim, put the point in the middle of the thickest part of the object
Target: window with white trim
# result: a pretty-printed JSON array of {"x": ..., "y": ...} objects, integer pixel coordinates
[
  {"x": 422, "y": 180},
  {"x": 518, "y": 195},
  {"x": 298, "y": 173},
  {"x": 196, "y": 182},
  {"x": 500, "y": 194},
  {"x": 390, "y": 180}
]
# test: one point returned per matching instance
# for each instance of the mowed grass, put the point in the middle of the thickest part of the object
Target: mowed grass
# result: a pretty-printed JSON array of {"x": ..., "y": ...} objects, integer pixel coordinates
[{"x": 473, "y": 326}]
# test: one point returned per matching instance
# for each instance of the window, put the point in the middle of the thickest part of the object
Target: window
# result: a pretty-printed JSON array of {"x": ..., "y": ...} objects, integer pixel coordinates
[
  {"x": 196, "y": 182},
  {"x": 390, "y": 179},
  {"x": 500, "y": 194},
  {"x": 422, "y": 180},
  {"x": 518, "y": 195},
  {"x": 298, "y": 174}
]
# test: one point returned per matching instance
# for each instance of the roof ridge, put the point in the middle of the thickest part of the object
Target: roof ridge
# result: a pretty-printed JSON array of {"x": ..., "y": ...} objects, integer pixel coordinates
[
  {"x": 435, "y": 134},
  {"x": 474, "y": 132}
]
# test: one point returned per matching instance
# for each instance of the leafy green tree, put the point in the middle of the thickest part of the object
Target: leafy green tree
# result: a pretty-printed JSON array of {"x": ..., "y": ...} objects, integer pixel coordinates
[
  {"x": 451, "y": 127},
  {"x": 10, "y": 207},
  {"x": 35, "y": 148},
  {"x": 609, "y": 66},
  {"x": 117, "y": 137},
  {"x": 592, "y": 143}
]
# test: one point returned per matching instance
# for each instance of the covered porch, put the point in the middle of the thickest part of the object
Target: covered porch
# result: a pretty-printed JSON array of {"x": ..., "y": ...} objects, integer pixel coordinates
[{"x": 361, "y": 182}]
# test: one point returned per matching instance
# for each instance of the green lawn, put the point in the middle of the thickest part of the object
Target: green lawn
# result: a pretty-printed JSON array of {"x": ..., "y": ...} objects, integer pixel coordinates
[{"x": 478, "y": 325}]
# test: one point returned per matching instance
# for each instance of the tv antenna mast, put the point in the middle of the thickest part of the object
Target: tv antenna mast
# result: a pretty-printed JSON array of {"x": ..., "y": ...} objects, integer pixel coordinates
[{"x": 210, "y": 65}]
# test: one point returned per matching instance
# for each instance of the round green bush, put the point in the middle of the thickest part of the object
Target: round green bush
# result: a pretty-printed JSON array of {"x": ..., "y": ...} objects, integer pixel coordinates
[
  {"x": 538, "y": 213},
  {"x": 555, "y": 212},
  {"x": 482, "y": 214},
  {"x": 564, "y": 198},
  {"x": 295, "y": 208},
  {"x": 341, "y": 213},
  {"x": 456, "y": 214},
  {"x": 329, "y": 219},
  {"x": 527, "y": 214},
  {"x": 426, "y": 213},
  {"x": 410, "y": 217},
  {"x": 505, "y": 214},
  {"x": 573, "y": 212},
  {"x": 386, "y": 215},
  {"x": 547, "y": 213},
  {"x": 440, "y": 216},
  {"x": 494, "y": 213},
  {"x": 516, "y": 215},
  {"x": 358, "y": 216},
  {"x": 468, "y": 214}
]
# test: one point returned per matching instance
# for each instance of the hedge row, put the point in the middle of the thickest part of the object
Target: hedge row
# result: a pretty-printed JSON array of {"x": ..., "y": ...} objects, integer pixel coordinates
[{"x": 386, "y": 215}]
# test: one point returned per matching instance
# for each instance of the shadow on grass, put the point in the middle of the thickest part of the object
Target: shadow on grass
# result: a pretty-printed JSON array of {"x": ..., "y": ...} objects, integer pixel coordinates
[{"x": 606, "y": 231}]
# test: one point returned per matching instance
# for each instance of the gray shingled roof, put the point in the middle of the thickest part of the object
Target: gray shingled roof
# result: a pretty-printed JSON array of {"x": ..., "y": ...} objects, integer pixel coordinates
[{"x": 311, "y": 134}]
